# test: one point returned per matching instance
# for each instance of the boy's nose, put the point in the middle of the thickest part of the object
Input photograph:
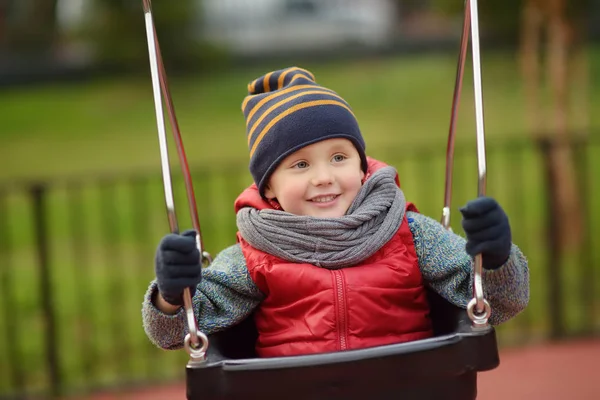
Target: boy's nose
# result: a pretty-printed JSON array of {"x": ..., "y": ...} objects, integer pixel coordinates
[{"x": 322, "y": 176}]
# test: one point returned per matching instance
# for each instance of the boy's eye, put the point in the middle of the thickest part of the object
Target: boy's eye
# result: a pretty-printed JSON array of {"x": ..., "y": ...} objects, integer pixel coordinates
[
  {"x": 339, "y": 158},
  {"x": 301, "y": 164}
]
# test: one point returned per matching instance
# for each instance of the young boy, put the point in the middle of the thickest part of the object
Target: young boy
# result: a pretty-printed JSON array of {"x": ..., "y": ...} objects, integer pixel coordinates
[{"x": 329, "y": 254}]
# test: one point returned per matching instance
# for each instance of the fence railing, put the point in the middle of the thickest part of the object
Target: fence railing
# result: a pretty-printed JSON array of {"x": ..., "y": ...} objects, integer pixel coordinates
[{"x": 76, "y": 257}]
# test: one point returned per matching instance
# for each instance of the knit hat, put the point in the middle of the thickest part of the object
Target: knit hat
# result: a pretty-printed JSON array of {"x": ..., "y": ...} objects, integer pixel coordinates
[{"x": 285, "y": 111}]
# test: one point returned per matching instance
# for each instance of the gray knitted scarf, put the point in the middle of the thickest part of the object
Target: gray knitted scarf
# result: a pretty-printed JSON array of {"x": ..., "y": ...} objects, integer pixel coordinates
[{"x": 370, "y": 222}]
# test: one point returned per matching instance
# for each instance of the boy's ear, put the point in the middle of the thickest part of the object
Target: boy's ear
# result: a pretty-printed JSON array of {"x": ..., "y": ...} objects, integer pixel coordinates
[{"x": 268, "y": 192}]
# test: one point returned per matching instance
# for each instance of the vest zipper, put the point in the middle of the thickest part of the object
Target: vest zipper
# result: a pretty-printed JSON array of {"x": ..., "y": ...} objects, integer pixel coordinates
[{"x": 342, "y": 320}]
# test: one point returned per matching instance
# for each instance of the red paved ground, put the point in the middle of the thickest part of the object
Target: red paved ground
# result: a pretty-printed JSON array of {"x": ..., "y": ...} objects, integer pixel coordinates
[{"x": 569, "y": 371}]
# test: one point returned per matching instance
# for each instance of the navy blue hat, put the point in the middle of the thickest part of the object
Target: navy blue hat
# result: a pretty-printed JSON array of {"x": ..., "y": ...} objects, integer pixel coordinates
[{"x": 285, "y": 111}]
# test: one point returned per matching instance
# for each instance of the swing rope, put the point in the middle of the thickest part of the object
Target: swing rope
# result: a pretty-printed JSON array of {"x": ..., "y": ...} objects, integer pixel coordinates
[
  {"x": 478, "y": 309},
  {"x": 195, "y": 342},
  {"x": 460, "y": 71}
]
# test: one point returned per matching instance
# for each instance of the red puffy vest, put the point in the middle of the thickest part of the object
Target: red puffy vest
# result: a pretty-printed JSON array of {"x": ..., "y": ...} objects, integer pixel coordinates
[{"x": 309, "y": 309}]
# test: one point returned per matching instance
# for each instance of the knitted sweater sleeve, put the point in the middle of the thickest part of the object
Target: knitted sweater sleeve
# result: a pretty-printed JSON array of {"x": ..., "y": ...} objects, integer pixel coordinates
[
  {"x": 225, "y": 296},
  {"x": 447, "y": 268}
]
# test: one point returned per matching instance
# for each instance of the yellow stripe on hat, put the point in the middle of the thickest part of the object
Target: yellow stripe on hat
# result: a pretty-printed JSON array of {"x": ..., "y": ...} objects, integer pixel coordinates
[
  {"x": 298, "y": 76},
  {"x": 269, "y": 111},
  {"x": 252, "y": 86},
  {"x": 309, "y": 73},
  {"x": 266, "y": 85},
  {"x": 287, "y": 71},
  {"x": 282, "y": 77},
  {"x": 292, "y": 110},
  {"x": 312, "y": 77},
  {"x": 273, "y": 96}
]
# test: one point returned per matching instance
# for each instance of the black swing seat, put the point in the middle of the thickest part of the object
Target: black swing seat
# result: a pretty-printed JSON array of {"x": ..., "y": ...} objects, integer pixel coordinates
[{"x": 442, "y": 367}]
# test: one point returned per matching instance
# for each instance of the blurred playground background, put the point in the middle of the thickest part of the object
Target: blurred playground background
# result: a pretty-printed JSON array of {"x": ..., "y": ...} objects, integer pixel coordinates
[{"x": 81, "y": 198}]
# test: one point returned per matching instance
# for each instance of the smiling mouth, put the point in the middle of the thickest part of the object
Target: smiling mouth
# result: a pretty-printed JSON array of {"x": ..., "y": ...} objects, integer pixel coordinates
[{"x": 324, "y": 199}]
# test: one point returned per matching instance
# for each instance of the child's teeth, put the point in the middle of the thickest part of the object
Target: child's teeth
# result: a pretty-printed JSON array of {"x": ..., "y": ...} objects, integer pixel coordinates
[{"x": 323, "y": 199}]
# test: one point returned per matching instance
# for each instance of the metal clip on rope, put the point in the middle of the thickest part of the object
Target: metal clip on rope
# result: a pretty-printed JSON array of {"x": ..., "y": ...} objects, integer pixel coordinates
[
  {"x": 478, "y": 309},
  {"x": 195, "y": 342}
]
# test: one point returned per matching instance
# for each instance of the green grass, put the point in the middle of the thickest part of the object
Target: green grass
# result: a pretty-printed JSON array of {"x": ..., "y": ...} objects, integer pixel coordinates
[{"x": 108, "y": 127}]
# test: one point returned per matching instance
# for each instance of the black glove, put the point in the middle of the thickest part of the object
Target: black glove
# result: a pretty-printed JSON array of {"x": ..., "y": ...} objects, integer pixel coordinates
[
  {"x": 488, "y": 231},
  {"x": 177, "y": 266}
]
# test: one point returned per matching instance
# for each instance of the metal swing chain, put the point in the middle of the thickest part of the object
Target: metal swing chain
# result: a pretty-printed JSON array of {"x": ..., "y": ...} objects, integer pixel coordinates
[
  {"x": 478, "y": 309},
  {"x": 195, "y": 342},
  {"x": 460, "y": 71}
]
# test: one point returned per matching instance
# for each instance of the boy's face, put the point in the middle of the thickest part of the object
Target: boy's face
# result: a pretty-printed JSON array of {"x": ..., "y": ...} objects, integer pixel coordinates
[{"x": 319, "y": 180}]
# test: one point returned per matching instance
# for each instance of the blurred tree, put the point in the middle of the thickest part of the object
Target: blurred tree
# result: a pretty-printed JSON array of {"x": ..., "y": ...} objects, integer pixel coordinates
[
  {"x": 118, "y": 34},
  {"x": 498, "y": 18},
  {"x": 28, "y": 27},
  {"x": 550, "y": 34},
  {"x": 553, "y": 37}
]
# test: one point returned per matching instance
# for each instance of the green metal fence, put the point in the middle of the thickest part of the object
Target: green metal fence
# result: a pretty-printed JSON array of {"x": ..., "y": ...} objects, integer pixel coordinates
[{"x": 76, "y": 257}]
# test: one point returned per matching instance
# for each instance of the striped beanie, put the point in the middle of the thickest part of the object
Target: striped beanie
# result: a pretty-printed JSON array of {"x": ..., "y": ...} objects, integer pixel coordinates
[{"x": 285, "y": 111}]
